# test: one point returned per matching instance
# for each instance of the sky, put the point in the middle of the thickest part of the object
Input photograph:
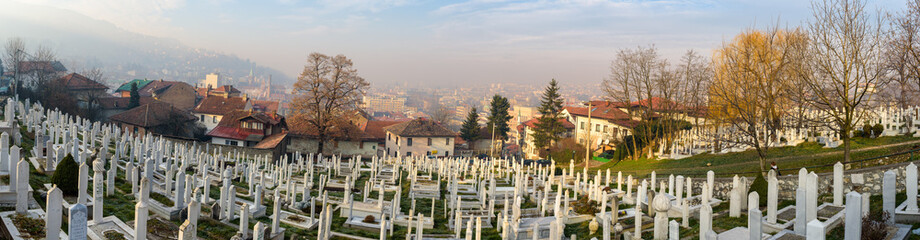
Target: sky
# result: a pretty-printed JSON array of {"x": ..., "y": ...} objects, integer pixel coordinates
[{"x": 450, "y": 43}]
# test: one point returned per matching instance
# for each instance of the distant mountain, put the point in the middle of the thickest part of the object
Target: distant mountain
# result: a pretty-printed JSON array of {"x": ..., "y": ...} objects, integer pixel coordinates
[{"x": 82, "y": 42}]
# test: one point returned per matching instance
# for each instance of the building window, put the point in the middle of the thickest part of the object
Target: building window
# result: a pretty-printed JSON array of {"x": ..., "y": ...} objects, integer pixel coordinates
[
  {"x": 429, "y": 141},
  {"x": 428, "y": 153},
  {"x": 597, "y": 127},
  {"x": 361, "y": 145},
  {"x": 409, "y": 142},
  {"x": 214, "y": 119},
  {"x": 448, "y": 141},
  {"x": 408, "y": 154},
  {"x": 202, "y": 118},
  {"x": 605, "y": 128},
  {"x": 582, "y": 127},
  {"x": 447, "y": 153}
]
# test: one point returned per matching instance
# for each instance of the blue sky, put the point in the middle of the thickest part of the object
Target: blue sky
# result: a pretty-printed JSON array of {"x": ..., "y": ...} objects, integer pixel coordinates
[{"x": 450, "y": 42}]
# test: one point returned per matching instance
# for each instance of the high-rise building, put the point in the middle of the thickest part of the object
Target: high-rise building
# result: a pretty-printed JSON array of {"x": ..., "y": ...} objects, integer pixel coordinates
[
  {"x": 212, "y": 80},
  {"x": 385, "y": 103}
]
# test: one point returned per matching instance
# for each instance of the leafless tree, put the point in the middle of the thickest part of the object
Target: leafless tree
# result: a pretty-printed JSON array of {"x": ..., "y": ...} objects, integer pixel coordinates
[
  {"x": 15, "y": 53},
  {"x": 325, "y": 92},
  {"x": 442, "y": 114},
  {"x": 902, "y": 53},
  {"x": 637, "y": 74},
  {"x": 845, "y": 65}
]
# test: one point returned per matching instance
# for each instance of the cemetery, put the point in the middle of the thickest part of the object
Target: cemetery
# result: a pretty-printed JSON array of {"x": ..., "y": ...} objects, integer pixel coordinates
[{"x": 71, "y": 178}]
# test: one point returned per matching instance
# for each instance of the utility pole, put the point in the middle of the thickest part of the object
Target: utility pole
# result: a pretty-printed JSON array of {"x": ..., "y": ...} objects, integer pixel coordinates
[
  {"x": 588, "y": 137},
  {"x": 492, "y": 142}
]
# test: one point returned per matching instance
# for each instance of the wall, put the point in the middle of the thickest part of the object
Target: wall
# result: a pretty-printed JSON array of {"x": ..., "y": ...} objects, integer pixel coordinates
[
  {"x": 419, "y": 145},
  {"x": 341, "y": 148},
  {"x": 180, "y": 95},
  {"x": 209, "y": 121},
  {"x": 224, "y": 148},
  {"x": 223, "y": 141}
]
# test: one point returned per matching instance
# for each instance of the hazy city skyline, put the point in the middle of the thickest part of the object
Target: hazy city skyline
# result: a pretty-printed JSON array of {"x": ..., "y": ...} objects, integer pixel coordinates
[{"x": 447, "y": 44}]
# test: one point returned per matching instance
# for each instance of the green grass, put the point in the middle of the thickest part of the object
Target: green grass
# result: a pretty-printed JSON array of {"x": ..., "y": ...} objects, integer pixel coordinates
[{"x": 748, "y": 161}]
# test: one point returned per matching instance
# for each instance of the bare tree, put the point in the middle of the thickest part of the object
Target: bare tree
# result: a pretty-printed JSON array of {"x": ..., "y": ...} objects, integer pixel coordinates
[
  {"x": 902, "y": 52},
  {"x": 328, "y": 88},
  {"x": 845, "y": 62},
  {"x": 442, "y": 114},
  {"x": 637, "y": 74},
  {"x": 15, "y": 53},
  {"x": 95, "y": 74}
]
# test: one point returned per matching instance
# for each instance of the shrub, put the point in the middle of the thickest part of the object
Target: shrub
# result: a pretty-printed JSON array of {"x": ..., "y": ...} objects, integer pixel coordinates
[
  {"x": 585, "y": 206},
  {"x": 760, "y": 186},
  {"x": 875, "y": 225},
  {"x": 878, "y": 129},
  {"x": 369, "y": 219},
  {"x": 29, "y": 227},
  {"x": 65, "y": 176}
]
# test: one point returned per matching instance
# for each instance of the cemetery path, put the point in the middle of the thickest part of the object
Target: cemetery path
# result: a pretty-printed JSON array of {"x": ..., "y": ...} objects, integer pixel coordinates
[{"x": 780, "y": 160}]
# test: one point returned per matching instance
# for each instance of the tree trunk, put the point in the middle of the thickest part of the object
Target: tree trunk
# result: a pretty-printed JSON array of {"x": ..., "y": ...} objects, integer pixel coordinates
[
  {"x": 321, "y": 143},
  {"x": 846, "y": 147}
]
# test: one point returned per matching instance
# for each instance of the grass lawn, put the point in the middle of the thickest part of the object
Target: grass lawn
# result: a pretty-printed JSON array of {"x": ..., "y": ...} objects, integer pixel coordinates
[{"x": 807, "y": 154}]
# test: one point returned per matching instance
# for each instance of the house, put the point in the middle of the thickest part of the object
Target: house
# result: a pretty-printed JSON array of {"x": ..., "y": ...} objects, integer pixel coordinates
[
  {"x": 608, "y": 122},
  {"x": 83, "y": 89},
  {"x": 33, "y": 72},
  {"x": 265, "y": 106},
  {"x": 125, "y": 89},
  {"x": 154, "y": 117},
  {"x": 211, "y": 110},
  {"x": 181, "y": 95},
  {"x": 247, "y": 128},
  {"x": 419, "y": 137},
  {"x": 222, "y": 91},
  {"x": 110, "y": 106},
  {"x": 357, "y": 138},
  {"x": 527, "y": 130}
]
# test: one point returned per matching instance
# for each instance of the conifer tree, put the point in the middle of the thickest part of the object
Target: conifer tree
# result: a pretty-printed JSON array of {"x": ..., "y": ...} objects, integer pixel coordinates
[{"x": 549, "y": 128}]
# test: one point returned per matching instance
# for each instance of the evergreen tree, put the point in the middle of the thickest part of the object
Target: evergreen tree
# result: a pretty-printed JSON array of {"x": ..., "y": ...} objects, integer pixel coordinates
[
  {"x": 135, "y": 96},
  {"x": 499, "y": 117},
  {"x": 549, "y": 128},
  {"x": 470, "y": 129}
]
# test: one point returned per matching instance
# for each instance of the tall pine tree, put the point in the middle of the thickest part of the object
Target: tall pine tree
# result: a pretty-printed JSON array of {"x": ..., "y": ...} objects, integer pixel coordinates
[
  {"x": 470, "y": 129},
  {"x": 549, "y": 128},
  {"x": 135, "y": 97},
  {"x": 499, "y": 117}
]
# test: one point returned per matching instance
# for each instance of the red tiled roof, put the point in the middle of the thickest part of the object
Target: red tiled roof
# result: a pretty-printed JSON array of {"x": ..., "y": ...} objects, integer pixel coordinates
[
  {"x": 49, "y": 66},
  {"x": 75, "y": 81},
  {"x": 157, "y": 87},
  {"x": 420, "y": 127},
  {"x": 204, "y": 91},
  {"x": 374, "y": 129},
  {"x": 232, "y": 119},
  {"x": 218, "y": 105},
  {"x": 565, "y": 123},
  {"x": 236, "y": 133},
  {"x": 265, "y": 105},
  {"x": 271, "y": 141},
  {"x": 151, "y": 114},
  {"x": 605, "y": 110}
]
